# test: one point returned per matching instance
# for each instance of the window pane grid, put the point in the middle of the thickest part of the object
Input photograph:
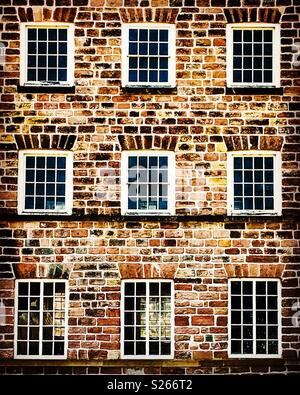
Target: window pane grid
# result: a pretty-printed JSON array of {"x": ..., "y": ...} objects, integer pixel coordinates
[
  {"x": 148, "y": 183},
  {"x": 41, "y": 331},
  {"x": 47, "y": 54},
  {"x": 253, "y": 55},
  {"x": 147, "y": 332},
  {"x": 45, "y": 183},
  {"x": 254, "y": 317},
  {"x": 148, "y": 55},
  {"x": 253, "y": 183}
]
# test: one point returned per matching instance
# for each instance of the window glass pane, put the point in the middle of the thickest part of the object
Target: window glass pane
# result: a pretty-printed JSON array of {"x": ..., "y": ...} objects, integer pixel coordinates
[
  {"x": 52, "y": 35},
  {"x": 259, "y": 204},
  {"x": 29, "y": 203},
  {"x": 247, "y": 35},
  {"x": 143, "y": 49},
  {"x": 52, "y": 48},
  {"x": 41, "y": 74},
  {"x": 32, "y": 47},
  {"x": 153, "y": 76},
  {"x": 42, "y": 34},
  {"x": 153, "y": 35},
  {"x": 133, "y": 76},
  {"x": 237, "y": 49},
  {"x": 237, "y": 62},
  {"x": 37, "y": 330},
  {"x": 31, "y": 61},
  {"x": 163, "y": 76},
  {"x": 63, "y": 34},
  {"x": 163, "y": 35},
  {"x": 237, "y": 76},
  {"x": 267, "y": 76},
  {"x": 268, "y": 36},
  {"x": 143, "y": 34},
  {"x": 133, "y": 48},
  {"x": 32, "y": 33},
  {"x": 42, "y": 47},
  {"x": 163, "y": 49},
  {"x": 257, "y": 35}
]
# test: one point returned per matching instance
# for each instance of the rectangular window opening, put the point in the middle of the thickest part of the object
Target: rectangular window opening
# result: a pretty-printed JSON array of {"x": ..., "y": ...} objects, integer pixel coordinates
[
  {"x": 147, "y": 319},
  {"x": 254, "y": 318},
  {"x": 45, "y": 182},
  {"x": 149, "y": 55},
  {"x": 253, "y": 52},
  {"x": 41, "y": 318},
  {"x": 47, "y": 54}
]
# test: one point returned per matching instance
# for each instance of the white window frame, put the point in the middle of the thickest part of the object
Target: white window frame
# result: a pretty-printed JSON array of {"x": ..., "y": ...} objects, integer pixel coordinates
[
  {"x": 23, "y": 53},
  {"x": 147, "y": 356},
  {"x": 279, "y": 299},
  {"x": 22, "y": 177},
  {"x": 172, "y": 55},
  {"x": 277, "y": 183},
  {"x": 171, "y": 182},
  {"x": 40, "y": 356},
  {"x": 275, "y": 56}
]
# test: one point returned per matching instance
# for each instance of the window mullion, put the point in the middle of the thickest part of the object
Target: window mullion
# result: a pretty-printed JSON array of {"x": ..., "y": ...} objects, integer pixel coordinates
[
  {"x": 147, "y": 317},
  {"x": 254, "y": 317},
  {"x": 41, "y": 317}
]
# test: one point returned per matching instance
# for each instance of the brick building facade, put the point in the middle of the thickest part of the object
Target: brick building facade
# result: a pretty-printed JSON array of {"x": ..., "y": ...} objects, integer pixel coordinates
[{"x": 150, "y": 186}]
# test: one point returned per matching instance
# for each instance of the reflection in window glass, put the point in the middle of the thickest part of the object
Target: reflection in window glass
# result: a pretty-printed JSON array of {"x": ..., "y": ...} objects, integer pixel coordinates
[
  {"x": 45, "y": 183},
  {"x": 148, "y": 55},
  {"x": 41, "y": 319},
  {"x": 147, "y": 318},
  {"x": 254, "y": 317}
]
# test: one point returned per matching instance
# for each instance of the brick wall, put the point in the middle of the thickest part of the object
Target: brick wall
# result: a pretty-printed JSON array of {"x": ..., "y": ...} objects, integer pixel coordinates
[{"x": 201, "y": 120}]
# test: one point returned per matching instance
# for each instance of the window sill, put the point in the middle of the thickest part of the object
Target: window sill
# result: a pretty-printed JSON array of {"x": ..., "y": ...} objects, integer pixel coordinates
[
  {"x": 140, "y": 218},
  {"x": 44, "y": 213},
  {"x": 149, "y": 214},
  {"x": 249, "y": 90},
  {"x": 253, "y": 214},
  {"x": 45, "y": 89},
  {"x": 149, "y": 89}
]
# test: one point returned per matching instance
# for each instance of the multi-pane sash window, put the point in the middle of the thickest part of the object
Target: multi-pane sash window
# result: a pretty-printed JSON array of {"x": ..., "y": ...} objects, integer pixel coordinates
[
  {"x": 148, "y": 182},
  {"x": 148, "y": 55},
  {"x": 47, "y": 54},
  {"x": 253, "y": 55},
  {"x": 254, "y": 183},
  {"x": 45, "y": 182},
  {"x": 254, "y": 318},
  {"x": 40, "y": 321},
  {"x": 147, "y": 319}
]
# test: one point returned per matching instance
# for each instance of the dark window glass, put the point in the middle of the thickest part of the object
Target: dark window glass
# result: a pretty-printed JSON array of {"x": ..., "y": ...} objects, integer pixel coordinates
[{"x": 133, "y": 34}]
